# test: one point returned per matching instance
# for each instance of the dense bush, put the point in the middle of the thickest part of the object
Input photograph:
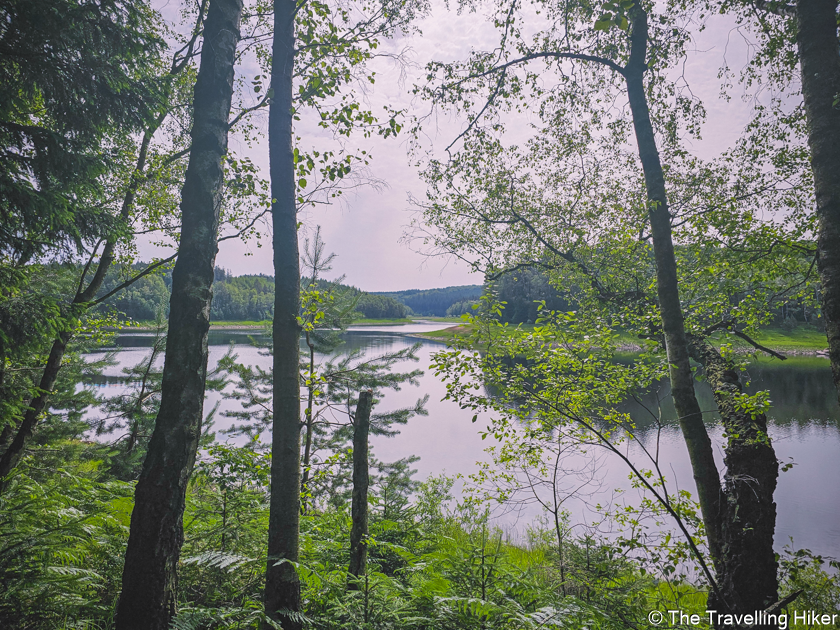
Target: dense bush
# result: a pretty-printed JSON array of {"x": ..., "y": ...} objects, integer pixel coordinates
[{"x": 433, "y": 565}]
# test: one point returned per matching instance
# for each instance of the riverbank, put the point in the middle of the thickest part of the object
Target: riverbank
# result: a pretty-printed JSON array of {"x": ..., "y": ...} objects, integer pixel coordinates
[
  {"x": 800, "y": 341},
  {"x": 262, "y": 325}
]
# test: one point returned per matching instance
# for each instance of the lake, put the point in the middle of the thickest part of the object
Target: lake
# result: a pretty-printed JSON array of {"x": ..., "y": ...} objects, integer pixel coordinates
[{"x": 804, "y": 426}]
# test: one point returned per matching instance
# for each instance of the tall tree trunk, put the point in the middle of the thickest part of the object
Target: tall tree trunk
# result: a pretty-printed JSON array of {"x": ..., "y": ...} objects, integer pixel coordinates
[
  {"x": 361, "y": 480},
  {"x": 819, "y": 59},
  {"x": 749, "y": 513},
  {"x": 706, "y": 476},
  {"x": 282, "y": 586},
  {"x": 5, "y": 438},
  {"x": 154, "y": 545},
  {"x": 740, "y": 529}
]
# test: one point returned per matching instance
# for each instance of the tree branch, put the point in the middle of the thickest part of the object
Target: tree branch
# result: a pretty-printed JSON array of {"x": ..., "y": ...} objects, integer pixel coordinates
[
  {"x": 757, "y": 345},
  {"x": 131, "y": 281}
]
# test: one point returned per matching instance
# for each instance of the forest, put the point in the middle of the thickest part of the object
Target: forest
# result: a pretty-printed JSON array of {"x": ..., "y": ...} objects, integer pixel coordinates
[
  {"x": 646, "y": 199},
  {"x": 235, "y": 298},
  {"x": 438, "y": 302}
]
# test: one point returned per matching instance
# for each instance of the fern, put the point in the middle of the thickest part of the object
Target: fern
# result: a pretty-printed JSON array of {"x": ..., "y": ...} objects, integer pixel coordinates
[
  {"x": 219, "y": 560},
  {"x": 58, "y": 538}
]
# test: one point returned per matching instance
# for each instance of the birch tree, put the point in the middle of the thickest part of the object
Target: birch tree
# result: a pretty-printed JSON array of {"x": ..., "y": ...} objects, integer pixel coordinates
[
  {"x": 149, "y": 574},
  {"x": 574, "y": 197}
]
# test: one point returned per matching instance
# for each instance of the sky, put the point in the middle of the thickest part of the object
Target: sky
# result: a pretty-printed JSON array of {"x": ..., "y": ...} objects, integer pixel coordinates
[{"x": 367, "y": 228}]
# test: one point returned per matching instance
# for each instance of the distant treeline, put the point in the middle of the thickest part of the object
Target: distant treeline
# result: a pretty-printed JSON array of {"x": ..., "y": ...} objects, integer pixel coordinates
[
  {"x": 436, "y": 302},
  {"x": 235, "y": 298},
  {"x": 251, "y": 298},
  {"x": 521, "y": 290}
]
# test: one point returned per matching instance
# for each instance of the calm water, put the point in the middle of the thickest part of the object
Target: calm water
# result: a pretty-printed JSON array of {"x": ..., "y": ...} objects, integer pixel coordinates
[{"x": 804, "y": 426}]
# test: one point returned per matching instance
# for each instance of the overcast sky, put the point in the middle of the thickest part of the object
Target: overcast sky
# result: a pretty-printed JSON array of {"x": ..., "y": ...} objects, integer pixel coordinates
[{"x": 366, "y": 227}]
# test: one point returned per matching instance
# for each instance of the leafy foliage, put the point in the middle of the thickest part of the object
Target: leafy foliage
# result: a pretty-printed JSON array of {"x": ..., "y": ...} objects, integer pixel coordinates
[{"x": 63, "y": 530}]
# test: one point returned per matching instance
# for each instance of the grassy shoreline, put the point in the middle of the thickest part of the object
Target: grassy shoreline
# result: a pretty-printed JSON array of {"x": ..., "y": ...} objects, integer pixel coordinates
[
  {"x": 253, "y": 325},
  {"x": 803, "y": 340}
]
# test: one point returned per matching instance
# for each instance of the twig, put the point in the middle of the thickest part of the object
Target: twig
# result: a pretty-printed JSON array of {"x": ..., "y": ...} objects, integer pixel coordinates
[
  {"x": 131, "y": 281},
  {"x": 757, "y": 345}
]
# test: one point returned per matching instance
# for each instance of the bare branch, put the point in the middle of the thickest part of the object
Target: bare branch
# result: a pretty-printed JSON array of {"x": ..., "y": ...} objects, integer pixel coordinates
[
  {"x": 131, "y": 281},
  {"x": 757, "y": 345}
]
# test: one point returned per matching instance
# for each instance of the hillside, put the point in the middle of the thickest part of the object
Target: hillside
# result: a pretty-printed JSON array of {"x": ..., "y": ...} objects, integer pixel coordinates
[
  {"x": 435, "y": 302},
  {"x": 235, "y": 298}
]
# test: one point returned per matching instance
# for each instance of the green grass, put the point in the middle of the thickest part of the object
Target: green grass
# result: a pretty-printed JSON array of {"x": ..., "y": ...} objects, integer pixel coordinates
[
  {"x": 148, "y": 325},
  {"x": 381, "y": 322},
  {"x": 445, "y": 334},
  {"x": 800, "y": 338},
  {"x": 432, "y": 318},
  {"x": 240, "y": 324}
]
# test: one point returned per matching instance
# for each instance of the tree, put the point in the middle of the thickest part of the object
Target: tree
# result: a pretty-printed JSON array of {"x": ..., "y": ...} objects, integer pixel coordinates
[
  {"x": 561, "y": 216},
  {"x": 361, "y": 481},
  {"x": 318, "y": 51},
  {"x": 66, "y": 91},
  {"x": 148, "y": 593},
  {"x": 132, "y": 414},
  {"x": 70, "y": 92},
  {"x": 794, "y": 137},
  {"x": 819, "y": 60},
  {"x": 137, "y": 193}
]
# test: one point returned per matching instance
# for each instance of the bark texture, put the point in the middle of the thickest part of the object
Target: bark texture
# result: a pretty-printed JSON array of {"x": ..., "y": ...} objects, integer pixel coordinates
[
  {"x": 819, "y": 59},
  {"x": 361, "y": 481},
  {"x": 748, "y": 575},
  {"x": 694, "y": 432},
  {"x": 282, "y": 586},
  {"x": 740, "y": 523},
  {"x": 149, "y": 576},
  {"x": 308, "y": 428}
]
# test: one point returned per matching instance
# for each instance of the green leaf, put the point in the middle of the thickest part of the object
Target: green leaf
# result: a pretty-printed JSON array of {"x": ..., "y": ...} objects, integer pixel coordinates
[{"x": 603, "y": 23}]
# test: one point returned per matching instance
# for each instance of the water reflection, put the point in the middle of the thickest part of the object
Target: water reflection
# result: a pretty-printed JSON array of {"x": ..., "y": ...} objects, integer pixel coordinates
[
  {"x": 804, "y": 425},
  {"x": 801, "y": 392}
]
